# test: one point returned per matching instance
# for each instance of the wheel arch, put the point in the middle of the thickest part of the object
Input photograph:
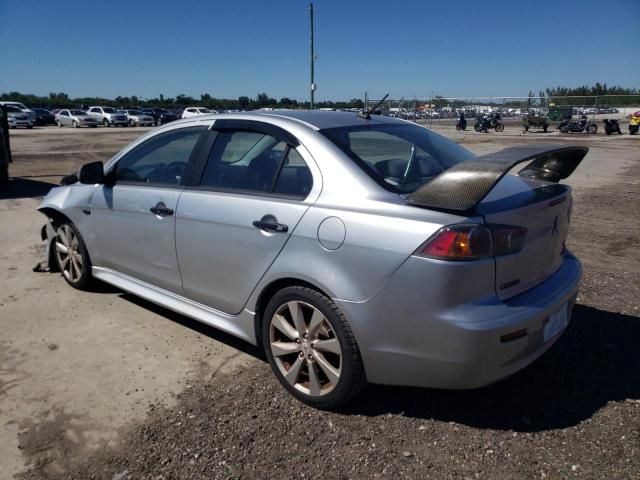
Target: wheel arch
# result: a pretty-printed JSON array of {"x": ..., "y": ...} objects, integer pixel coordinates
[
  {"x": 56, "y": 216},
  {"x": 267, "y": 294}
]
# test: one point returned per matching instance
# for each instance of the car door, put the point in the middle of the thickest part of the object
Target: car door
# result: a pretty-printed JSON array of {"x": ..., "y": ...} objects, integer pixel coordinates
[
  {"x": 132, "y": 216},
  {"x": 65, "y": 118},
  {"x": 236, "y": 217}
]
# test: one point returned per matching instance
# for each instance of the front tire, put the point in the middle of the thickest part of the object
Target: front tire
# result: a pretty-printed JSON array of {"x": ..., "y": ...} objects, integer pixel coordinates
[
  {"x": 72, "y": 256},
  {"x": 75, "y": 124},
  {"x": 592, "y": 129},
  {"x": 311, "y": 348},
  {"x": 499, "y": 127},
  {"x": 105, "y": 122}
]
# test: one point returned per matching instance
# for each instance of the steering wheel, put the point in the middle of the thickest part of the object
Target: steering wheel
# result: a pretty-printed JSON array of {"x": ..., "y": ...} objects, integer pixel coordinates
[{"x": 175, "y": 170}]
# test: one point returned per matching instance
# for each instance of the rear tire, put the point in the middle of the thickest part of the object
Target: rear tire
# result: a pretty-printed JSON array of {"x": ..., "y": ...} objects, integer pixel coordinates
[
  {"x": 72, "y": 256},
  {"x": 311, "y": 348}
]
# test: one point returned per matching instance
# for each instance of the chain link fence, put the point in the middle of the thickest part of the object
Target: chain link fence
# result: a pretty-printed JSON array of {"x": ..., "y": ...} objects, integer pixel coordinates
[{"x": 437, "y": 108}]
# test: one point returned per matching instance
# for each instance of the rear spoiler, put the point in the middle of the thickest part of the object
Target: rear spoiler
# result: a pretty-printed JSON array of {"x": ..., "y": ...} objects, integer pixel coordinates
[{"x": 463, "y": 186}]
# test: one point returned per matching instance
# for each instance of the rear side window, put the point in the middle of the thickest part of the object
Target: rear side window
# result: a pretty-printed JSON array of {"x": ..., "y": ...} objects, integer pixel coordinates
[
  {"x": 254, "y": 161},
  {"x": 161, "y": 160},
  {"x": 399, "y": 157},
  {"x": 295, "y": 177}
]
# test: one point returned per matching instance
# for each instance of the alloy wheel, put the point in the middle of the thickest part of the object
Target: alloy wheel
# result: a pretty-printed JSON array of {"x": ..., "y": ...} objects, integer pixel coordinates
[
  {"x": 68, "y": 253},
  {"x": 305, "y": 348}
]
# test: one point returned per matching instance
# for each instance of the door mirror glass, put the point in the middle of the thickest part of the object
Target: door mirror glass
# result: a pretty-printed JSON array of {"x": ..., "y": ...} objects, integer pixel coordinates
[{"x": 91, "y": 173}]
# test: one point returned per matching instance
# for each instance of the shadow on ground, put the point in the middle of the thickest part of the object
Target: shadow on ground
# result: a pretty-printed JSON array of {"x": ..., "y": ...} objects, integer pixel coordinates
[
  {"x": 25, "y": 188},
  {"x": 596, "y": 361},
  {"x": 203, "y": 329}
]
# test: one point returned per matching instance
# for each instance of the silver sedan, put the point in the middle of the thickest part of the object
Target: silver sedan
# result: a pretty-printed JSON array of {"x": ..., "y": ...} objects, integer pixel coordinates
[
  {"x": 75, "y": 118},
  {"x": 351, "y": 247}
]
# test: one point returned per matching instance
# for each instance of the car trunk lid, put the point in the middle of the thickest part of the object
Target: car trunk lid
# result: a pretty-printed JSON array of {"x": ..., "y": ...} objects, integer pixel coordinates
[
  {"x": 532, "y": 200},
  {"x": 543, "y": 209}
]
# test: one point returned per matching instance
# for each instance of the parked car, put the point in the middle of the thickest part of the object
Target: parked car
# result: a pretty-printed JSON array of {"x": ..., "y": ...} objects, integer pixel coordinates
[
  {"x": 108, "y": 116},
  {"x": 160, "y": 115},
  {"x": 20, "y": 106},
  {"x": 44, "y": 116},
  {"x": 138, "y": 119},
  {"x": 75, "y": 118},
  {"x": 17, "y": 118},
  {"x": 350, "y": 247},
  {"x": 195, "y": 111}
]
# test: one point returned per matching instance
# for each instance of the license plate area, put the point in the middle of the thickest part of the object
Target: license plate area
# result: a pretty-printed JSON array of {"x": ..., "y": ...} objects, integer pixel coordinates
[{"x": 556, "y": 322}]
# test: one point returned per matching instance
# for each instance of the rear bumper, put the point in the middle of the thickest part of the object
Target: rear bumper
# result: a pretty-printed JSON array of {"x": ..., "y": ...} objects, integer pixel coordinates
[{"x": 421, "y": 340}]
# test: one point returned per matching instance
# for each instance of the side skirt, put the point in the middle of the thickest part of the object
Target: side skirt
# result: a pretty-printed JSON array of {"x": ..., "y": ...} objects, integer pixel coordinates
[{"x": 241, "y": 326}]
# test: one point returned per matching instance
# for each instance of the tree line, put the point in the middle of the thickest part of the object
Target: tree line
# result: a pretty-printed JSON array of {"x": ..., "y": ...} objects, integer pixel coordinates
[
  {"x": 558, "y": 95},
  {"x": 262, "y": 100}
]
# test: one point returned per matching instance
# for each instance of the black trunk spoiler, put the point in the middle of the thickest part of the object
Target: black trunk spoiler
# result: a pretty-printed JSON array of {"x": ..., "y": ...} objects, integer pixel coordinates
[{"x": 463, "y": 186}]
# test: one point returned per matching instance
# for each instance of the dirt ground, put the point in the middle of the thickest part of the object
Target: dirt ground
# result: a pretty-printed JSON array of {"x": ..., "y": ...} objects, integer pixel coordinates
[{"x": 103, "y": 385}]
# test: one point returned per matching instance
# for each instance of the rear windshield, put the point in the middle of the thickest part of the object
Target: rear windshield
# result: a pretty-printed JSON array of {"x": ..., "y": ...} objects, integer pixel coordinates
[{"x": 399, "y": 157}]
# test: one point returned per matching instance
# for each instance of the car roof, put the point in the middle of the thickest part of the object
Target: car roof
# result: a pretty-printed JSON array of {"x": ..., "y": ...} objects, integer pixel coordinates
[{"x": 322, "y": 119}]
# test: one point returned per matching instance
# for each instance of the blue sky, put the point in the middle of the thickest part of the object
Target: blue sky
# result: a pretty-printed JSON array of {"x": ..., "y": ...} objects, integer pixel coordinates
[{"x": 243, "y": 47}]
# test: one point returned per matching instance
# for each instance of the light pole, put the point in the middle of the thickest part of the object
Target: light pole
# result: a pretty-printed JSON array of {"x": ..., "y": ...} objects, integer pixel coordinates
[{"x": 313, "y": 85}]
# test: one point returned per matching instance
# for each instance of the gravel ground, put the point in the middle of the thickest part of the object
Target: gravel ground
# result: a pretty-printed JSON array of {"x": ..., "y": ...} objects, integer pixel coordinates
[{"x": 575, "y": 413}]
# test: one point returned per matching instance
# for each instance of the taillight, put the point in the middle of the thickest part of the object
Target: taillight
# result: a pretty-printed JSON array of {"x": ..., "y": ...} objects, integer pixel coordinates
[
  {"x": 473, "y": 242},
  {"x": 459, "y": 242}
]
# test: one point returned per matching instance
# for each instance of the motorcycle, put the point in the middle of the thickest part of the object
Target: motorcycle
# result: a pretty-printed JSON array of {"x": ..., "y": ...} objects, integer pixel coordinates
[
  {"x": 485, "y": 122},
  {"x": 634, "y": 123},
  {"x": 611, "y": 126},
  {"x": 461, "y": 124},
  {"x": 582, "y": 125}
]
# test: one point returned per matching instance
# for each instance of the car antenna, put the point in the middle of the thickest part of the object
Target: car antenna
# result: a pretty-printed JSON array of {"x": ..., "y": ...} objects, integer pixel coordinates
[{"x": 367, "y": 115}]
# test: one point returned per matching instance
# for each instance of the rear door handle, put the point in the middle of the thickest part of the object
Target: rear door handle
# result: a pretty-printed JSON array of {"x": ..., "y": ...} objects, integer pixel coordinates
[
  {"x": 161, "y": 210},
  {"x": 271, "y": 226}
]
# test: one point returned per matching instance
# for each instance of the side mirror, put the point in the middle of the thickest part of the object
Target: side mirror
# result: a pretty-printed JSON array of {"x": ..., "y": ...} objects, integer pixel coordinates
[{"x": 91, "y": 173}]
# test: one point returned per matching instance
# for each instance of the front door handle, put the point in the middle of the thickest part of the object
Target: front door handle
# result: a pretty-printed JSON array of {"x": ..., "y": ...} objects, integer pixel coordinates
[
  {"x": 271, "y": 226},
  {"x": 161, "y": 210}
]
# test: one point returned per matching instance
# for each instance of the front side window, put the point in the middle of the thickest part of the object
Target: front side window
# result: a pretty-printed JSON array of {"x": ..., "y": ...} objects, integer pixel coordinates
[
  {"x": 161, "y": 160},
  {"x": 256, "y": 161},
  {"x": 399, "y": 157}
]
